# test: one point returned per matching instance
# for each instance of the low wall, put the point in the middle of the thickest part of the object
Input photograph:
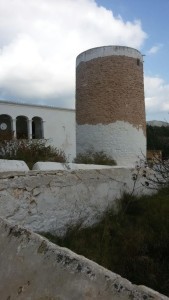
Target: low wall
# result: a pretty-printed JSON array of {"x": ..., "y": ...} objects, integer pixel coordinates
[
  {"x": 33, "y": 268},
  {"x": 12, "y": 165},
  {"x": 7, "y": 165},
  {"x": 50, "y": 201},
  {"x": 53, "y": 166}
]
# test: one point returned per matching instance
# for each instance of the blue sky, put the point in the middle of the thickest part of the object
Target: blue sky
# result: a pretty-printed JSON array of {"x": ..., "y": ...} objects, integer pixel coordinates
[
  {"x": 154, "y": 17},
  {"x": 39, "y": 42}
]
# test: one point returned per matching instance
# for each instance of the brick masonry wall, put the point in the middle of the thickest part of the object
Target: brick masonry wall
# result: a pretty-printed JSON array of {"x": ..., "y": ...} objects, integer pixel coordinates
[{"x": 110, "y": 89}]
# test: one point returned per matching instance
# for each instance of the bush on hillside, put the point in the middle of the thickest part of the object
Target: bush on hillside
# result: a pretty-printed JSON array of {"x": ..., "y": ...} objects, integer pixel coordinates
[
  {"x": 158, "y": 139},
  {"x": 92, "y": 157}
]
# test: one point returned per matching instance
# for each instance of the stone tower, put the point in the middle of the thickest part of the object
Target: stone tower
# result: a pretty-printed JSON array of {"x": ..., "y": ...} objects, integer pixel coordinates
[{"x": 110, "y": 109}]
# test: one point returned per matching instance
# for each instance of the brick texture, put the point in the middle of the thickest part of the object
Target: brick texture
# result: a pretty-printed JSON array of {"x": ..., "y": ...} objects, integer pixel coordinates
[{"x": 110, "y": 89}]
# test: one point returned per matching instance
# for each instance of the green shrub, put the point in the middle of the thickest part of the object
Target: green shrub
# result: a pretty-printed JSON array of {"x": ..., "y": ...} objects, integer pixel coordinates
[
  {"x": 97, "y": 158},
  {"x": 133, "y": 242},
  {"x": 31, "y": 151}
]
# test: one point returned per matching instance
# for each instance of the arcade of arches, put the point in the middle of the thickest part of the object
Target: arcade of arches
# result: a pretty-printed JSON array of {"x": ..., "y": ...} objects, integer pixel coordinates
[{"x": 21, "y": 127}]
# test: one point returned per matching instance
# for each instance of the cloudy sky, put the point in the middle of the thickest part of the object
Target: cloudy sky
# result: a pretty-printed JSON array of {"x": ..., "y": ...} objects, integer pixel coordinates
[{"x": 40, "y": 39}]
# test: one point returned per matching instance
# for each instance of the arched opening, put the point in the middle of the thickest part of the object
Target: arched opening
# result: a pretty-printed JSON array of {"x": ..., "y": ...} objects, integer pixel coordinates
[
  {"x": 6, "y": 132},
  {"x": 37, "y": 128},
  {"x": 22, "y": 127}
]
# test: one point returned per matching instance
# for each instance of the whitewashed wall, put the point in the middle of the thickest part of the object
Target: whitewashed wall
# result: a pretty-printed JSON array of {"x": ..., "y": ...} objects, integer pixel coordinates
[
  {"x": 49, "y": 201},
  {"x": 59, "y": 124},
  {"x": 108, "y": 51},
  {"x": 122, "y": 141}
]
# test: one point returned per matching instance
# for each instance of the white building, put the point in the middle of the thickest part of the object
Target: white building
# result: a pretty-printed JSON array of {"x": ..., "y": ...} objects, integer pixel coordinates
[
  {"x": 27, "y": 121},
  {"x": 110, "y": 109}
]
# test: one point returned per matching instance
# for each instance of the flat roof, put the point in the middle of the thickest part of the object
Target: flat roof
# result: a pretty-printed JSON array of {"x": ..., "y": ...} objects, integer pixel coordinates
[{"x": 35, "y": 105}]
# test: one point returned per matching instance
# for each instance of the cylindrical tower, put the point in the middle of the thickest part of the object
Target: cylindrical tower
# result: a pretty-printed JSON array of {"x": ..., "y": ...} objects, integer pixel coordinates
[{"x": 110, "y": 109}]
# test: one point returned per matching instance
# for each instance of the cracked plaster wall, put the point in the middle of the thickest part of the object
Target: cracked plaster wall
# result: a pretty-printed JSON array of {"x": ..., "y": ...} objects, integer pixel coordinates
[{"x": 49, "y": 201}]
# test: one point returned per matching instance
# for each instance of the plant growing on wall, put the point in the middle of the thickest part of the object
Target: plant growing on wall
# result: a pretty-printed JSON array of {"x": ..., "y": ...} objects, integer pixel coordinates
[
  {"x": 154, "y": 170},
  {"x": 154, "y": 173},
  {"x": 97, "y": 158}
]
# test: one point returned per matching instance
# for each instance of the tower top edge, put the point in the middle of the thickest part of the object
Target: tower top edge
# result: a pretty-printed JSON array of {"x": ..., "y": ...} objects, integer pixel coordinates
[{"x": 108, "y": 51}]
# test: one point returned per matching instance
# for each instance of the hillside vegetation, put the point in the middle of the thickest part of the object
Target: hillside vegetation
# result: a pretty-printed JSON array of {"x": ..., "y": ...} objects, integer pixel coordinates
[
  {"x": 158, "y": 139},
  {"x": 133, "y": 242}
]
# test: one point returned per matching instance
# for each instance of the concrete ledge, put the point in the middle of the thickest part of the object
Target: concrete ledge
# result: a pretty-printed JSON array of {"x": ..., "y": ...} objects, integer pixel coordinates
[
  {"x": 73, "y": 166},
  {"x": 12, "y": 165},
  {"x": 52, "y": 166},
  {"x": 48, "y": 166},
  {"x": 33, "y": 268}
]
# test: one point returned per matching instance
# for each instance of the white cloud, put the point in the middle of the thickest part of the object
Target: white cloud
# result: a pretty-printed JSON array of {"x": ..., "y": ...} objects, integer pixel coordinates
[
  {"x": 155, "y": 49},
  {"x": 39, "y": 42},
  {"x": 156, "y": 95}
]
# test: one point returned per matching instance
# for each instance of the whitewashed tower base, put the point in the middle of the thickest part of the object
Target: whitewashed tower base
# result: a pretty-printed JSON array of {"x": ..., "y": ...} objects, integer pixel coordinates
[{"x": 110, "y": 109}]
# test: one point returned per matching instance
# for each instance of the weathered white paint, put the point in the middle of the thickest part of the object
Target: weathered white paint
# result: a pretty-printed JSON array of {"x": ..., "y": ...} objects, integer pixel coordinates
[
  {"x": 73, "y": 166},
  {"x": 108, "y": 51},
  {"x": 58, "y": 123},
  {"x": 121, "y": 140},
  {"x": 48, "y": 166},
  {"x": 12, "y": 165},
  {"x": 49, "y": 201},
  {"x": 33, "y": 268},
  {"x": 52, "y": 166}
]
